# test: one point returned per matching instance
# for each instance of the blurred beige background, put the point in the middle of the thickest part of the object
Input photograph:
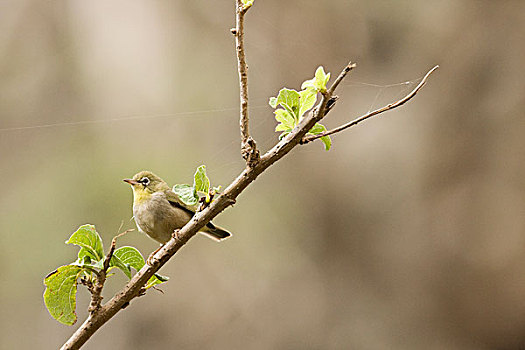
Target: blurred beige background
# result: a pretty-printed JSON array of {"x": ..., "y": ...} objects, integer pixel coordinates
[{"x": 408, "y": 234}]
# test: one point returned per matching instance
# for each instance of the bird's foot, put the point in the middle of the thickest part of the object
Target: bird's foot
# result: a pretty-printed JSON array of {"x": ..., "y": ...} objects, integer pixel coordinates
[
  {"x": 175, "y": 234},
  {"x": 150, "y": 257}
]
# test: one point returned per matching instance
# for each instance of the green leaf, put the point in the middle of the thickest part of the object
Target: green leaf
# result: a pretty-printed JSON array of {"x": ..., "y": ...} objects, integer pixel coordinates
[
  {"x": 282, "y": 127},
  {"x": 189, "y": 195},
  {"x": 317, "y": 129},
  {"x": 201, "y": 182},
  {"x": 61, "y": 292},
  {"x": 289, "y": 100},
  {"x": 293, "y": 111},
  {"x": 321, "y": 76},
  {"x": 84, "y": 256},
  {"x": 288, "y": 96},
  {"x": 89, "y": 240},
  {"x": 118, "y": 263},
  {"x": 308, "y": 97},
  {"x": 247, "y": 3},
  {"x": 186, "y": 193},
  {"x": 326, "y": 140},
  {"x": 130, "y": 256},
  {"x": 318, "y": 83},
  {"x": 286, "y": 120},
  {"x": 156, "y": 279},
  {"x": 296, "y": 104},
  {"x": 309, "y": 84}
]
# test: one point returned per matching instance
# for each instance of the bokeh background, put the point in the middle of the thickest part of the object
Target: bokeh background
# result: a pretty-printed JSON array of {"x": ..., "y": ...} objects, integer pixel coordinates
[{"x": 408, "y": 234}]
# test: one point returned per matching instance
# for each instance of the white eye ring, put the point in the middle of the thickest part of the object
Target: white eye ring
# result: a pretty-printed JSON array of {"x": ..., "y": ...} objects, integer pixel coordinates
[{"x": 144, "y": 181}]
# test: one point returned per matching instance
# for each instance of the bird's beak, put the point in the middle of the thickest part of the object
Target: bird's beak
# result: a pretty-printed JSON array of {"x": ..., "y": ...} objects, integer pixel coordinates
[{"x": 131, "y": 182}]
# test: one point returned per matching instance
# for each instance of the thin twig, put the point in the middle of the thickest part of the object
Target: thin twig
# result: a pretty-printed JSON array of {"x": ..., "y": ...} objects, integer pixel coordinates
[
  {"x": 109, "y": 255},
  {"x": 96, "y": 288},
  {"x": 248, "y": 146},
  {"x": 391, "y": 106},
  {"x": 341, "y": 76}
]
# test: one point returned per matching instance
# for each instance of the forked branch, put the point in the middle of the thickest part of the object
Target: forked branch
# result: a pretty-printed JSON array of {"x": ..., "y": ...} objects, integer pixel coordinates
[
  {"x": 388, "y": 107},
  {"x": 100, "y": 280}
]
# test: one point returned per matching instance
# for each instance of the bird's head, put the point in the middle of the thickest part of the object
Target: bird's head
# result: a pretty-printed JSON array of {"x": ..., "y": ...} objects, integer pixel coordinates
[{"x": 144, "y": 184}]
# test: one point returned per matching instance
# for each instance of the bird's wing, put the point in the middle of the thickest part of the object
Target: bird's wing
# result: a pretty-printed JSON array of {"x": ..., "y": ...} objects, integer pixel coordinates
[{"x": 175, "y": 201}]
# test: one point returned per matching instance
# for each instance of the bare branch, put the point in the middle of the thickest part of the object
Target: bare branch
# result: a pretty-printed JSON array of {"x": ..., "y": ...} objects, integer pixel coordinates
[
  {"x": 341, "y": 76},
  {"x": 248, "y": 146},
  {"x": 391, "y": 106}
]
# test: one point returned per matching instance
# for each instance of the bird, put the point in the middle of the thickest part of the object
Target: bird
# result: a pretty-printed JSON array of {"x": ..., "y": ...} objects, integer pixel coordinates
[{"x": 159, "y": 212}]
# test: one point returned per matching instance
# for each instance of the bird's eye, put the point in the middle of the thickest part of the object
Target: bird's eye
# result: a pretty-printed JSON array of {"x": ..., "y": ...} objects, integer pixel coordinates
[{"x": 144, "y": 181}]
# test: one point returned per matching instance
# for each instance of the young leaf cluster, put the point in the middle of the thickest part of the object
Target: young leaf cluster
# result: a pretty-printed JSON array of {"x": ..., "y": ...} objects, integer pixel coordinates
[
  {"x": 247, "y": 3},
  {"x": 294, "y": 104},
  {"x": 190, "y": 195},
  {"x": 61, "y": 284}
]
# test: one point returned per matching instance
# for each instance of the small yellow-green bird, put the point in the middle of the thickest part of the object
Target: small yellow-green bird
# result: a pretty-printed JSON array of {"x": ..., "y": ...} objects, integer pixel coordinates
[{"x": 158, "y": 211}]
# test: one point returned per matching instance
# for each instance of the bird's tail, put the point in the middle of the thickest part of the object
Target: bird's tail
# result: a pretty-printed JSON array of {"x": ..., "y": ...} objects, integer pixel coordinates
[{"x": 215, "y": 232}]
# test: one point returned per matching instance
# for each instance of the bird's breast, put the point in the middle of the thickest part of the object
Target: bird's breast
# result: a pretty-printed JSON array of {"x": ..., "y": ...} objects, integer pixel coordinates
[
  {"x": 140, "y": 196},
  {"x": 157, "y": 218}
]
